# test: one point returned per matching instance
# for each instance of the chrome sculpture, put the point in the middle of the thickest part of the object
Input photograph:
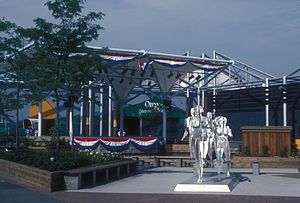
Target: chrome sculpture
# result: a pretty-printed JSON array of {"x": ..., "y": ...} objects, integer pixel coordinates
[{"x": 206, "y": 134}]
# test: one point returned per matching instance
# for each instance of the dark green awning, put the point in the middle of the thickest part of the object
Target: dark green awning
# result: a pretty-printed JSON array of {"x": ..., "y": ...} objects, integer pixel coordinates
[{"x": 152, "y": 108}]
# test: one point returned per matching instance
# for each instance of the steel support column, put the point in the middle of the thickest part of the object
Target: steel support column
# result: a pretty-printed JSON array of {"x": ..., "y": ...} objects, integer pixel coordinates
[
  {"x": 141, "y": 126},
  {"x": 40, "y": 118},
  {"x": 165, "y": 125},
  {"x": 267, "y": 102},
  {"x": 101, "y": 112},
  {"x": 284, "y": 99},
  {"x": 91, "y": 110},
  {"x": 109, "y": 111},
  {"x": 121, "y": 119}
]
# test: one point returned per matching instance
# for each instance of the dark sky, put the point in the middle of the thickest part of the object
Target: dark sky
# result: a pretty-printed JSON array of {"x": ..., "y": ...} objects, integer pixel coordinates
[{"x": 262, "y": 33}]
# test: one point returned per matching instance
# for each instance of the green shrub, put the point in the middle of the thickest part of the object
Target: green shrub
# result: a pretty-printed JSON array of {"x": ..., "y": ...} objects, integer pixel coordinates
[
  {"x": 68, "y": 160},
  {"x": 240, "y": 151},
  {"x": 294, "y": 150},
  {"x": 284, "y": 152},
  {"x": 247, "y": 151},
  {"x": 266, "y": 150}
]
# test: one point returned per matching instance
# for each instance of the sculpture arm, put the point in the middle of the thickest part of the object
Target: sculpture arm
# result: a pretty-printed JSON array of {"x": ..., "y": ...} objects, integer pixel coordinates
[
  {"x": 229, "y": 132},
  {"x": 186, "y": 132}
]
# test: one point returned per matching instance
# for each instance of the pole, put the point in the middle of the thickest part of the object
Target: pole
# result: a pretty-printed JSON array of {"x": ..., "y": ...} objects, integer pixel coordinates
[
  {"x": 91, "y": 110},
  {"x": 121, "y": 119},
  {"x": 101, "y": 113},
  {"x": 267, "y": 102},
  {"x": 40, "y": 118},
  {"x": 82, "y": 115},
  {"x": 203, "y": 99},
  {"x": 284, "y": 99},
  {"x": 188, "y": 91},
  {"x": 109, "y": 111},
  {"x": 71, "y": 125},
  {"x": 141, "y": 126},
  {"x": 214, "y": 97},
  {"x": 165, "y": 125},
  {"x": 198, "y": 97}
]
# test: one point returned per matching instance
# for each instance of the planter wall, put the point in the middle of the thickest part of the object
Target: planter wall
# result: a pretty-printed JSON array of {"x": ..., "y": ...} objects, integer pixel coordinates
[
  {"x": 265, "y": 162},
  {"x": 177, "y": 148},
  {"x": 45, "y": 180},
  {"x": 71, "y": 179}
]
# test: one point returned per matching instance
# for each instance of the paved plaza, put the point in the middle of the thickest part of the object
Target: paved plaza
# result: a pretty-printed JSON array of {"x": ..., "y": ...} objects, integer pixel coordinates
[
  {"x": 162, "y": 180},
  {"x": 157, "y": 185}
]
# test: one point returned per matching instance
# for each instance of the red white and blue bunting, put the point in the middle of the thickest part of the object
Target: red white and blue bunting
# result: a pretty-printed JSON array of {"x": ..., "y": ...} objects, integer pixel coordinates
[
  {"x": 114, "y": 58},
  {"x": 117, "y": 58},
  {"x": 116, "y": 144}
]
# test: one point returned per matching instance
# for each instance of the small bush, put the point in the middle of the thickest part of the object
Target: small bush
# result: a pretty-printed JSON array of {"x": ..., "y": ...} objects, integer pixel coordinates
[
  {"x": 284, "y": 152},
  {"x": 247, "y": 151},
  {"x": 294, "y": 150},
  {"x": 240, "y": 151},
  {"x": 68, "y": 160},
  {"x": 266, "y": 150}
]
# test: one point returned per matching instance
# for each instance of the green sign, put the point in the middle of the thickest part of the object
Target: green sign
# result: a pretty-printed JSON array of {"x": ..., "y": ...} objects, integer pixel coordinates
[{"x": 151, "y": 108}]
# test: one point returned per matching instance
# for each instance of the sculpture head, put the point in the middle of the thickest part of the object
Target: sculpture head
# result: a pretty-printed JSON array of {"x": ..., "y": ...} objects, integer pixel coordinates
[
  {"x": 222, "y": 121},
  {"x": 200, "y": 109},
  {"x": 209, "y": 115},
  {"x": 193, "y": 111}
]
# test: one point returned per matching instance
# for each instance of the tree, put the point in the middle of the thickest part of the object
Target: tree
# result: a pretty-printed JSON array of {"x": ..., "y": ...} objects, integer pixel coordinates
[
  {"x": 13, "y": 73},
  {"x": 62, "y": 61}
]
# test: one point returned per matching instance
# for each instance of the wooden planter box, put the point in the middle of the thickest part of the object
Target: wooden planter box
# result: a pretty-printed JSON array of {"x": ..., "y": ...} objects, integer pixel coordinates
[
  {"x": 90, "y": 176},
  {"x": 45, "y": 180},
  {"x": 177, "y": 148},
  {"x": 277, "y": 138},
  {"x": 72, "y": 179},
  {"x": 265, "y": 162}
]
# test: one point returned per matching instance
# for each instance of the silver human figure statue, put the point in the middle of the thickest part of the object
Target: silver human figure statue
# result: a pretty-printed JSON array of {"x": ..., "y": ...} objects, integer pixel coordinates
[
  {"x": 196, "y": 129},
  {"x": 210, "y": 135},
  {"x": 222, "y": 148},
  {"x": 206, "y": 133}
]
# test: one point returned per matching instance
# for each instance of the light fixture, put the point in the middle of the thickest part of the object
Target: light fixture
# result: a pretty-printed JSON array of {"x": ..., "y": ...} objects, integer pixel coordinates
[
  {"x": 191, "y": 77},
  {"x": 178, "y": 76},
  {"x": 170, "y": 74},
  {"x": 198, "y": 77}
]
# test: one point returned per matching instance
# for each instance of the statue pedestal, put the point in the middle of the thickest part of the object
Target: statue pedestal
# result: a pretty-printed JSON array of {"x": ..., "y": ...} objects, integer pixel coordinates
[{"x": 211, "y": 183}]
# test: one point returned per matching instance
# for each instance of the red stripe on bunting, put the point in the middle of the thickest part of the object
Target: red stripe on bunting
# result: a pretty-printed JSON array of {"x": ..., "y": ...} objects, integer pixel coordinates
[
  {"x": 86, "y": 139},
  {"x": 206, "y": 63},
  {"x": 144, "y": 139},
  {"x": 115, "y": 139},
  {"x": 170, "y": 59}
]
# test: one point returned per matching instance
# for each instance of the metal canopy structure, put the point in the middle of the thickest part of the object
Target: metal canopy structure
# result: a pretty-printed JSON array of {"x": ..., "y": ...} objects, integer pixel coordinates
[
  {"x": 155, "y": 73},
  {"x": 166, "y": 76}
]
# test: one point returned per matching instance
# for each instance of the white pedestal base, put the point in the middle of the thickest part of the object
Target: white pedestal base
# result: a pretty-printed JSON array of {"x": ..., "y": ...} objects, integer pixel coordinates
[{"x": 210, "y": 183}]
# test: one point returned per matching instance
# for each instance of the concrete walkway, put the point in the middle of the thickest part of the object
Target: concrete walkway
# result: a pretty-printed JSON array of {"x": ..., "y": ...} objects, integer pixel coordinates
[
  {"x": 162, "y": 180},
  {"x": 156, "y": 185}
]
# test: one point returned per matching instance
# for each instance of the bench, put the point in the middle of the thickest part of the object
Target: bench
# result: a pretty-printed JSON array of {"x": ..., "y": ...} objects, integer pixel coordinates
[
  {"x": 178, "y": 161},
  {"x": 90, "y": 176}
]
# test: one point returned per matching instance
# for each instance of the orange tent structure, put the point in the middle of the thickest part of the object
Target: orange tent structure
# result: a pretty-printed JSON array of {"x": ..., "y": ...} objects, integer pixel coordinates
[{"x": 48, "y": 110}]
